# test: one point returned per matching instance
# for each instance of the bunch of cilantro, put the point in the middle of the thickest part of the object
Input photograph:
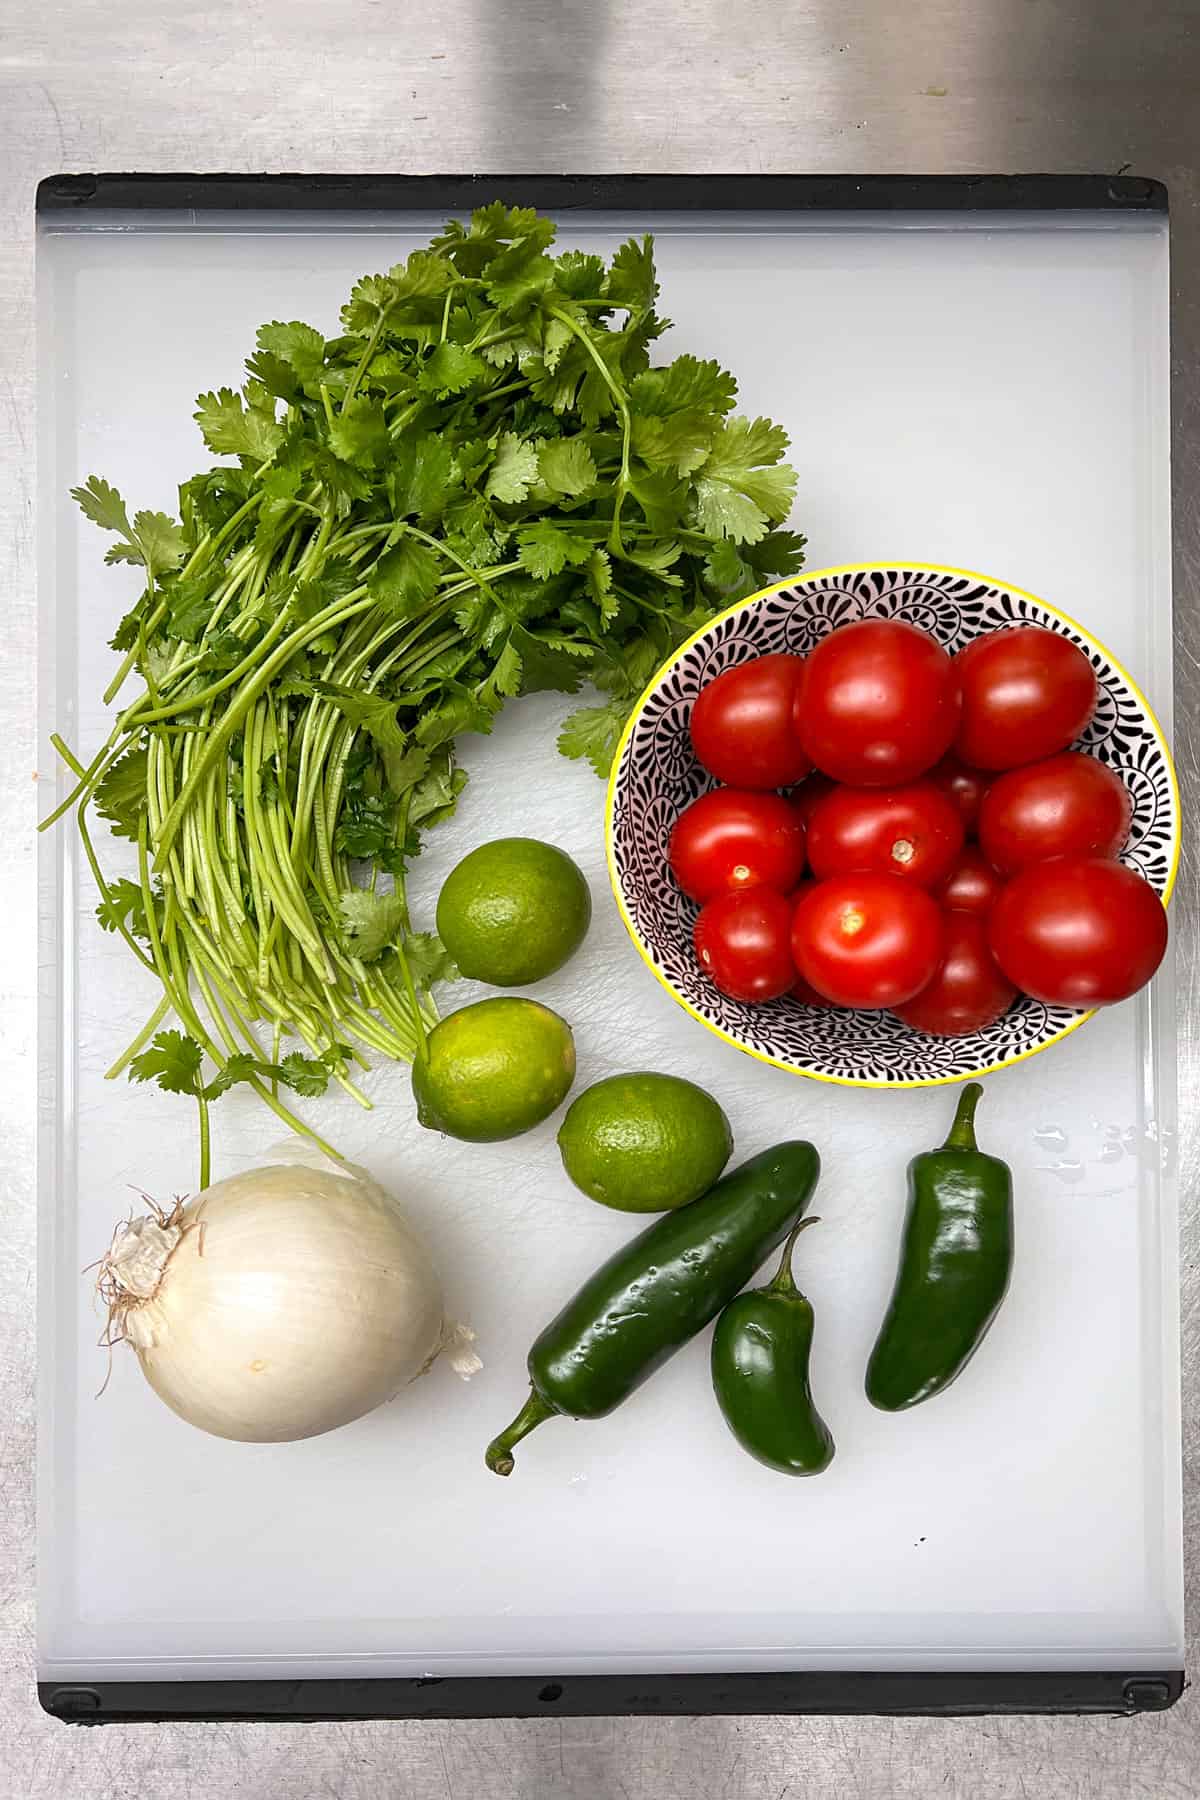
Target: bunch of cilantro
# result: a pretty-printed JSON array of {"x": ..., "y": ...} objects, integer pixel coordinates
[{"x": 479, "y": 489}]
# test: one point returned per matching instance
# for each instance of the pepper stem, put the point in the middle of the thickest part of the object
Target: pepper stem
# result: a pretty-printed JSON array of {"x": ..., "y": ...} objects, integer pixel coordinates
[
  {"x": 785, "y": 1281},
  {"x": 962, "y": 1131},
  {"x": 498, "y": 1456}
]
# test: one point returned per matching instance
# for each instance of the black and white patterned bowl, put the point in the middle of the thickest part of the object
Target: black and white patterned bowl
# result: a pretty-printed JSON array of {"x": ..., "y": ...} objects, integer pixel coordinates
[{"x": 655, "y": 775}]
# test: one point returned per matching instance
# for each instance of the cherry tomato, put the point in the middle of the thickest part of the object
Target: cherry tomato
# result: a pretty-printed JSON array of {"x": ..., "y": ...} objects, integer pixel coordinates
[
  {"x": 809, "y": 792},
  {"x": 1078, "y": 931},
  {"x": 744, "y": 943},
  {"x": 866, "y": 939},
  {"x": 1069, "y": 805},
  {"x": 1026, "y": 693},
  {"x": 879, "y": 703},
  {"x": 966, "y": 787},
  {"x": 912, "y": 831},
  {"x": 805, "y": 991},
  {"x": 801, "y": 989},
  {"x": 733, "y": 839},
  {"x": 972, "y": 884},
  {"x": 968, "y": 990},
  {"x": 742, "y": 727}
]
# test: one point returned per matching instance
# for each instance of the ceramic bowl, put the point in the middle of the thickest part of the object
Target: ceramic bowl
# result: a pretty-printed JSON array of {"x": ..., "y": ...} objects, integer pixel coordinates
[{"x": 655, "y": 775}]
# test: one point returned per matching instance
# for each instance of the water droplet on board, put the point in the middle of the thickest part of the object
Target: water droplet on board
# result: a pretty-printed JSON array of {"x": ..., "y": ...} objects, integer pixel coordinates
[
  {"x": 1112, "y": 1152},
  {"x": 1050, "y": 1137},
  {"x": 1067, "y": 1170}
]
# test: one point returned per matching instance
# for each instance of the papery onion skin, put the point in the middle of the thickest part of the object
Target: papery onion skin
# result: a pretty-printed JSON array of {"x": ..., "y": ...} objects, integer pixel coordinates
[{"x": 297, "y": 1300}]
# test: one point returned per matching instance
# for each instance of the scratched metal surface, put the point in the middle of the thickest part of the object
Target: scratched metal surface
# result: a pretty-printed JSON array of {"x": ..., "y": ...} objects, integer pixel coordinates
[{"x": 463, "y": 84}]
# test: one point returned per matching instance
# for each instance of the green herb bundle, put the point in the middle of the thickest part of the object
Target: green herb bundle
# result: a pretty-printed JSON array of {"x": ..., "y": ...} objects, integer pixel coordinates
[{"x": 480, "y": 489}]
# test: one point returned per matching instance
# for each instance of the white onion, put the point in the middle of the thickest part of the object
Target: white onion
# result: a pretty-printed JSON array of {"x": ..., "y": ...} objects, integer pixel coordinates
[{"x": 280, "y": 1303}]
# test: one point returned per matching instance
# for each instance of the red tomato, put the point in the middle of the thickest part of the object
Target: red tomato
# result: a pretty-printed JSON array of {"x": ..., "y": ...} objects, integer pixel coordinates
[
  {"x": 734, "y": 839},
  {"x": 866, "y": 939},
  {"x": 809, "y": 792},
  {"x": 879, "y": 703},
  {"x": 967, "y": 991},
  {"x": 912, "y": 831},
  {"x": 972, "y": 884},
  {"x": 1078, "y": 931},
  {"x": 801, "y": 989},
  {"x": 1026, "y": 692},
  {"x": 1069, "y": 805},
  {"x": 805, "y": 992},
  {"x": 966, "y": 787},
  {"x": 744, "y": 943},
  {"x": 742, "y": 727}
]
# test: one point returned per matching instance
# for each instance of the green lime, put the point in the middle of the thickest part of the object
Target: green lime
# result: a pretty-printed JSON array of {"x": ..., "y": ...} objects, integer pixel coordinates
[
  {"x": 494, "y": 1070},
  {"x": 513, "y": 911},
  {"x": 644, "y": 1143}
]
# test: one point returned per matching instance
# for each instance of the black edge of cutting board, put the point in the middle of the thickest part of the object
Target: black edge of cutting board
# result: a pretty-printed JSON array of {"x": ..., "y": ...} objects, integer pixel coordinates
[
  {"x": 946, "y": 1693},
  {"x": 58, "y": 195},
  {"x": 529, "y": 1696}
]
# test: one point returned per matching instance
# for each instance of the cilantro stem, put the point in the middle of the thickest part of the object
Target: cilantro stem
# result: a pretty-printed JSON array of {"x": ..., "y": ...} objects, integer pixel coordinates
[
  {"x": 621, "y": 401},
  {"x": 68, "y": 756},
  {"x": 141, "y": 1040},
  {"x": 360, "y": 365},
  {"x": 205, "y": 1151},
  {"x": 235, "y": 713}
]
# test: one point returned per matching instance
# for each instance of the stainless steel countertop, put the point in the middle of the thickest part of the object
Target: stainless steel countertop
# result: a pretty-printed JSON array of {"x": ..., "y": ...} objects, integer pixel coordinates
[{"x": 461, "y": 85}]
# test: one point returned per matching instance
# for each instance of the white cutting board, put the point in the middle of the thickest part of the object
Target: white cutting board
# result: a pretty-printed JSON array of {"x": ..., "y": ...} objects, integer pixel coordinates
[{"x": 988, "y": 393}]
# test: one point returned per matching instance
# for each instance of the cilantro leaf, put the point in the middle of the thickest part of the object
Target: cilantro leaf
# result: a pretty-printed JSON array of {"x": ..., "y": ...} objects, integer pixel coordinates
[
  {"x": 121, "y": 794},
  {"x": 514, "y": 470},
  {"x": 428, "y": 959},
  {"x": 405, "y": 578},
  {"x": 631, "y": 279},
  {"x": 544, "y": 549},
  {"x": 298, "y": 346},
  {"x": 735, "y": 496},
  {"x": 594, "y": 732},
  {"x": 304, "y": 1075},
  {"x": 373, "y": 713},
  {"x": 230, "y": 428},
  {"x": 680, "y": 442},
  {"x": 684, "y": 385},
  {"x": 600, "y": 584},
  {"x": 423, "y": 477},
  {"x": 451, "y": 369},
  {"x": 370, "y": 922},
  {"x": 103, "y": 505},
  {"x": 550, "y": 661},
  {"x": 160, "y": 540},
  {"x": 578, "y": 275},
  {"x": 358, "y": 434},
  {"x": 404, "y": 768},
  {"x": 566, "y": 466},
  {"x": 124, "y": 905},
  {"x": 436, "y": 794},
  {"x": 172, "y": 1061}
]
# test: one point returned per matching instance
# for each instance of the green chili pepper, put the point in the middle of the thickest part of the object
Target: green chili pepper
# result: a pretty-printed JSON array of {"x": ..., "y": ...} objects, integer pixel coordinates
[
  {"x": 659, "y": 1291},
  {"x": 955, "y": 1262},
  {"x": 760, "y": 1352}
]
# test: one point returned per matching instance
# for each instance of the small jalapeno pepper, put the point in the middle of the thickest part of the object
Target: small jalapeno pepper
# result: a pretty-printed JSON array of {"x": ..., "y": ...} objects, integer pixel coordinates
[{"x": 760, "y": 1353}]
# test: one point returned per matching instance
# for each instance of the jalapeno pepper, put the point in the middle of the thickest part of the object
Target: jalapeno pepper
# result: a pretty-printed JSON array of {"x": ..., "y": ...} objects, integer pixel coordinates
[
  {"x": 760, "y": 1352},
  {"x": 955, "y": 1262},
  {"x": 657, "y": 1292}
]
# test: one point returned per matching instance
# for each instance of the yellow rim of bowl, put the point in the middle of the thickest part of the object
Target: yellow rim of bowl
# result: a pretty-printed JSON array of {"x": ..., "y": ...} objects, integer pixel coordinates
[{"x": 798, "y": 581}]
